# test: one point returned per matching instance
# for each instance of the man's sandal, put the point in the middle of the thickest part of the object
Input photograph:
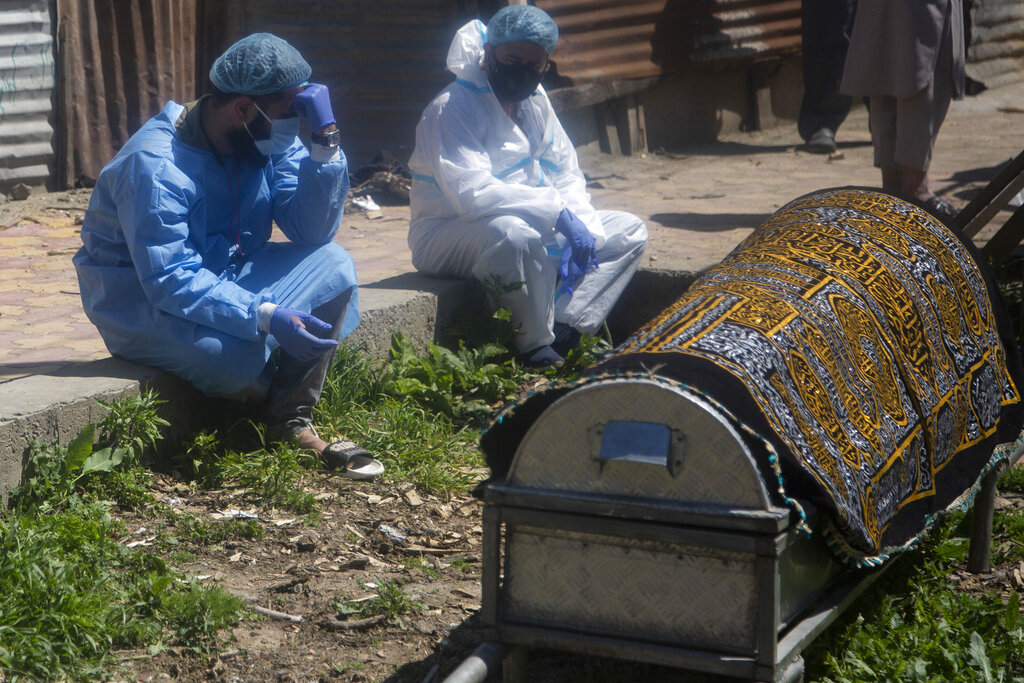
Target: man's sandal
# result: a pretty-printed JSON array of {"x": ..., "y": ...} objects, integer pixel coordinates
[{"x": 353, "y": 461}]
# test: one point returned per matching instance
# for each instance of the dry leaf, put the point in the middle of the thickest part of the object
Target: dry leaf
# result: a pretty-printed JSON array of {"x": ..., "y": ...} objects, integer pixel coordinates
[{"x": 145, "y": 542}]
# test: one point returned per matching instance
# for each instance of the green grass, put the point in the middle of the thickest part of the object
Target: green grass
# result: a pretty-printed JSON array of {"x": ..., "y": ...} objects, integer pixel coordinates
[
  {"x": 70, "y": 594},
  {"x": 1012, "y": 480},
  {"x": 915, "y": 625},
  {"x": 200, "y": 532},
  {"x": 419, "y": 563},
  {"x": 391, "y": 601},
  {"x": 415, "y": 443},
  {"x": 462, "y": 565},
  {"x": 274, "y": 473}
]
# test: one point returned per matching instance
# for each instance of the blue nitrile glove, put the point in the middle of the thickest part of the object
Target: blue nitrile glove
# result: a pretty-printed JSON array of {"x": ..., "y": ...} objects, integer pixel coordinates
[
  {"x": 292, "y": 327},
  {"x": 314, "y": 103},
  {"x": 568, "y": 272},
  {"x": 579, "y": 256}
]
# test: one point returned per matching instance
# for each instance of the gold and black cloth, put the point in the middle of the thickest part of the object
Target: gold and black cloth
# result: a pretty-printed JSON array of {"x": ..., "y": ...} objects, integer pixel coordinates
[{"x": 862, "y": 339}]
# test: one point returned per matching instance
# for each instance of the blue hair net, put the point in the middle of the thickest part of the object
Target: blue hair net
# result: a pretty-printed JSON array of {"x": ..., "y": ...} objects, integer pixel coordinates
[
  {"x": 259, "y": 64},
  {"x": 523, "y": 22}
]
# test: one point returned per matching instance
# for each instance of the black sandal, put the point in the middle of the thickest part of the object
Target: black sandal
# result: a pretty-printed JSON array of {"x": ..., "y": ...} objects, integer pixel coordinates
[
  {"x": 353, "y": 461},
  {"x": 940, "y": 208}
]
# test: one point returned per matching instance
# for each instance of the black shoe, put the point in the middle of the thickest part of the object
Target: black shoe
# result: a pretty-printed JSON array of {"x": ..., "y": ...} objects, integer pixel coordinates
[
  {"x": 822, "y": 142},
  {"x": 541, "y": 357},
  {"x": 566, "y": 339},
  {"x": 940, "y": 208}
]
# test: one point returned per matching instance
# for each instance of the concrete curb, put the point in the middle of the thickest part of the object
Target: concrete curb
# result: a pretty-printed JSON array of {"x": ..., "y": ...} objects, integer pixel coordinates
[{"x": 53, "y": 407}]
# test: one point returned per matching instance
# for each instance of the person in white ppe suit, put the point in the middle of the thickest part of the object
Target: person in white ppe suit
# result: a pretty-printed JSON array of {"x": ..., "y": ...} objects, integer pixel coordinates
[
  {"x": 177, "y": 271},
  {"x": 497, "y": 191}
]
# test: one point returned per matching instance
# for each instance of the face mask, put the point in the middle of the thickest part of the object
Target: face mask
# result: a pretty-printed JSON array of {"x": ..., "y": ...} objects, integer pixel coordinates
[
  {"x": 513, "y": 82},
  {"x": 282, "y": 134}
]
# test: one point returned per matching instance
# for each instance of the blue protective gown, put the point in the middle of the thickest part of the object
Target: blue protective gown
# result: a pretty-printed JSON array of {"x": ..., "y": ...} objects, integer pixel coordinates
[{"x": 176, "y": 256}]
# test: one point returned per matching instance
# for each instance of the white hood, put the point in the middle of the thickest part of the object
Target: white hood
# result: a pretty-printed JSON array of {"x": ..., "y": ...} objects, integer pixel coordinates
[{"x": 466, "y": 54}]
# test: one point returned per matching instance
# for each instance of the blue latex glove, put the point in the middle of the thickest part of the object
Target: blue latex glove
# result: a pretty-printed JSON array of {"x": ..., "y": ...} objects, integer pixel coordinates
[
  {"x": 568, "y": 272},
  {"x": 314, "y": 103},
  {"x": 292, "y": 327},
  {"x": 579, "y": 256}
]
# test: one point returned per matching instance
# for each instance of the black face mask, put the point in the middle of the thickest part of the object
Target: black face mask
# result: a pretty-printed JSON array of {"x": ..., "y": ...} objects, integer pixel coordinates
[
  {"x": 245, "y": 149},
  {"x": 513, "y": 82}
]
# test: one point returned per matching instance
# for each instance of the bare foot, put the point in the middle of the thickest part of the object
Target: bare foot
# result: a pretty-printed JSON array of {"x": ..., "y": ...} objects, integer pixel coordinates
[{"x": 309, "y": 439}]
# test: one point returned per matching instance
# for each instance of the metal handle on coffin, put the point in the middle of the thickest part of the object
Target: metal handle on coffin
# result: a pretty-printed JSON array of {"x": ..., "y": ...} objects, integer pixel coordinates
[{"x": 642, "y": 443}]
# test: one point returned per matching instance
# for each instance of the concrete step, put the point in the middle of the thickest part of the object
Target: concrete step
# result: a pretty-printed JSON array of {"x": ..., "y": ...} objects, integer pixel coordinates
[{"x": 53, "y": 407}]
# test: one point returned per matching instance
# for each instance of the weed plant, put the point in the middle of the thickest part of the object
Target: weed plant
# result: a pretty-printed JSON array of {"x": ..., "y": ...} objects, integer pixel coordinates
[
  {"x": 70, "y": 593},
  {"x": 391, "y": 601},
  {"x": 132, "y": 424},
  {"x": 274, "y": 473},
  {"x": 421, "y": 413},
  {"x": 415, "y": 443},
  {"x": 199, "y": 532},
  {"x": 913, "y": 625}
]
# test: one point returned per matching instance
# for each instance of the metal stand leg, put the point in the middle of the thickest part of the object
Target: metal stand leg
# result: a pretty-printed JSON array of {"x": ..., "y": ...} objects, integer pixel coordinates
[
  {"x": 793, "y": 671},
  {"x": 981, "y": 524},
  {"x": 514, "y": 668}
]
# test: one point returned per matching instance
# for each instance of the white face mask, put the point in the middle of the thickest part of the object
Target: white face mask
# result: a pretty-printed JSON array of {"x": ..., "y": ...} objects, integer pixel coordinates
[{"x": 282, "y": 134}]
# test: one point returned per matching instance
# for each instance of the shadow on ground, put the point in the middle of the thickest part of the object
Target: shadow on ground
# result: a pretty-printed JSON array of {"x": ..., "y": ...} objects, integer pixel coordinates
[
  {"x": 732, "y": 148},
  {"x": 545, "y": 666},
  {"x": 709, "y": 222},
  {"x": 965, "y": 182}
]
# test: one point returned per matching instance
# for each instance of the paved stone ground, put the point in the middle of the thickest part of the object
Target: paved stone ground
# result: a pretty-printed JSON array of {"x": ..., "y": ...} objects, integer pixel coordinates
[{"x": 698, "y": 202}]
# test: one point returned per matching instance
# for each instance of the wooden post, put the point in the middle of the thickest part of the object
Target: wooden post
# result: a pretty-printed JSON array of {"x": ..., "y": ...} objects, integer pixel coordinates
[
  {"x": 981, "y": 523},
  {"x": 607, "y": 128}
]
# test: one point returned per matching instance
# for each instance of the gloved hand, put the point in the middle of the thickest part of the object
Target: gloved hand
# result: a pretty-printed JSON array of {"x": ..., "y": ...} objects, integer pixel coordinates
[
  {"x": 291, "y": 328},
  {"x": 314, "y": 103},
  {"x": 579, "y": 256}
]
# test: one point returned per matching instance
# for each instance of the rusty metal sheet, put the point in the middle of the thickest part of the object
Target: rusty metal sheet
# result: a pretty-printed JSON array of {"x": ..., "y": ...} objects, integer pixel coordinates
[
  {"x": 608, "y": 40},
  {"x": 119, "y": 63},
  {"x": 26, "y": 87},
  {"x": 383, "y": 61}
]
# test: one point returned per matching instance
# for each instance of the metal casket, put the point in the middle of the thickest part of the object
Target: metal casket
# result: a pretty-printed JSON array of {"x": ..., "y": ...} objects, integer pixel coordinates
[{"x": 636, "y": 524}]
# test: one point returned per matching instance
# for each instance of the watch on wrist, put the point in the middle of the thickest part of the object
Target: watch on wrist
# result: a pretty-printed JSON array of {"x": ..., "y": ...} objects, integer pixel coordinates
[{"x": 329, "y": 139}]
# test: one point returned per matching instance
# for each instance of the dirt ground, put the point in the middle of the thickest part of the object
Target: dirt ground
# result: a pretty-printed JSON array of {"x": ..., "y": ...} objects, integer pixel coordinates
[{"x": 367, "y": 534}]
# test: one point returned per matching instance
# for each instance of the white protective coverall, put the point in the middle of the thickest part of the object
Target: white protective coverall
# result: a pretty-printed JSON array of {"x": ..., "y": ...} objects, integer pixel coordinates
[{"x": 486, "y": 194}]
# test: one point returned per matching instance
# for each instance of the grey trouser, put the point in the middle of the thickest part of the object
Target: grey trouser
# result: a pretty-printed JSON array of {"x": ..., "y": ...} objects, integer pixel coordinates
[{"x": 903, "y": 130}]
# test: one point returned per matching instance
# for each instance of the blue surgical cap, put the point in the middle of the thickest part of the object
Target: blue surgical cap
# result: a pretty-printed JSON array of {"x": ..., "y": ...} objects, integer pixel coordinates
[
  {"x": 523, "y": 22},
  {"x": 259, "y": 64}
]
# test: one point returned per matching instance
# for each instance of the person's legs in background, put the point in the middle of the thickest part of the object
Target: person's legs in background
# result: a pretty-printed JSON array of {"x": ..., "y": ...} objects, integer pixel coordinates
[
  {"x": 826, "y": 27},
  {"x": 904, "y": 130}
]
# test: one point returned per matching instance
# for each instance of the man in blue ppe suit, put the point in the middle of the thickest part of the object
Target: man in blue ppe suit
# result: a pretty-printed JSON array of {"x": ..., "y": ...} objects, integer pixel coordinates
[
  {"x": 177, "y": 270},
  {"x": 497, "y": 191}
]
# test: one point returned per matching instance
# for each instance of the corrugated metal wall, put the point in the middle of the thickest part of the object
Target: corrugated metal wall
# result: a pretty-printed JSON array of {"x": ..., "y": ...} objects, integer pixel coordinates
[
  {"x": 997, "y": 43},
  {"x": 120, "y": 62},
  {"x": 383, "y": 61},
  {"x": 26, "y": 85},
  {"x": 610, "y": 40}
]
